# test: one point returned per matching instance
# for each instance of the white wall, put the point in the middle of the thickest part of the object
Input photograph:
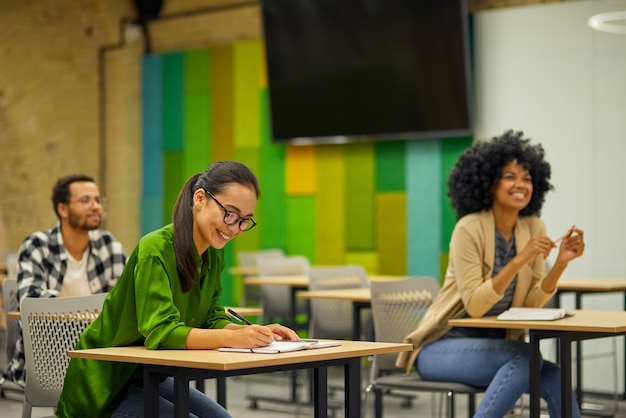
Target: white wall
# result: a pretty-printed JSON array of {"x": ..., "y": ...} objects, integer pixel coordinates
[{"x": 542, "y": 70}]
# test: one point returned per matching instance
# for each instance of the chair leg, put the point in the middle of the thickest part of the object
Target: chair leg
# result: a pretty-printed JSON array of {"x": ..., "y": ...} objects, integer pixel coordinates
[
  {"x": 450, "y": 404},
  {"x": 27, "y": 409},
  {"x": 471, "y": 405}
]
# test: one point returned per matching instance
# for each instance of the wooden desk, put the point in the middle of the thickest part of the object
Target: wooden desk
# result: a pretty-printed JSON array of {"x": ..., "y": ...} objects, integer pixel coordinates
[
  {"x": 580, "y": 286},
  {"x": 243, "y": 271},
  {"x": 361, "y": 298},
  {"x": 187, "y": 365},
  {"x": 583, "y": 325}
]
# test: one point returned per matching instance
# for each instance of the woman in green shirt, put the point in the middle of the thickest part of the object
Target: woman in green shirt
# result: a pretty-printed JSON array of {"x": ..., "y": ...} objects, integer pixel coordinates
[{"x": 168, "y": 297}]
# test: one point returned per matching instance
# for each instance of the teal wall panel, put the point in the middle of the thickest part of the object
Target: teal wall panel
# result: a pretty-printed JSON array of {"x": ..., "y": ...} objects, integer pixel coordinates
[{"x": 423, "y": 168}]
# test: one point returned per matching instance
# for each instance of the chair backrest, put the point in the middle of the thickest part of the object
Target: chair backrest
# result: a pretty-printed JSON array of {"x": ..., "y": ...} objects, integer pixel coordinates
[
  {"x": 11, "y": 258},
  {"x": 275, "y": 298},
  {"x": 249, "y": 258},
  {"x": 333, "y": 318},
  {"x": 11, "y": 303},
  {"x": 397, "y": 308},
  {"x": 51, "y": 327}
]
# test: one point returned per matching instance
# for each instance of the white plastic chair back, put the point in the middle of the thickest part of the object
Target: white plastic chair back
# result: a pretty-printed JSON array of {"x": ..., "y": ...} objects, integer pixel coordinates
[
  {"x": 51, "y": 327},
  {"x": 333, "y": 318},
  {"x": 275, "y": 298},
  {"x": 397, "y": 308},
  {"x": 249, "y": 258}
]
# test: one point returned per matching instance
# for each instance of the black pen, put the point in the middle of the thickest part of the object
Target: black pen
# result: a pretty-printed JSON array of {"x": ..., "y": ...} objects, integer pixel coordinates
[{"x": 239, "y": 317}]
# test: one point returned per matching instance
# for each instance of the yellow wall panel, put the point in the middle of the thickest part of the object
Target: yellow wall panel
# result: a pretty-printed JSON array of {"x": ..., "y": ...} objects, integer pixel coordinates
[
  {"x": 330, "y": 205},
  {"x": 247, "y": 103},
  {"x": 300, "y": 170},
  {"x": 391, "y": 232}
]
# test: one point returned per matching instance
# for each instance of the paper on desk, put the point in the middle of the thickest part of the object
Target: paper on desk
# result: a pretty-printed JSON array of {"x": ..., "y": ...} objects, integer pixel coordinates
[
  {"x": 284, "y": 347},
  {"x": 533, "y": 314}
]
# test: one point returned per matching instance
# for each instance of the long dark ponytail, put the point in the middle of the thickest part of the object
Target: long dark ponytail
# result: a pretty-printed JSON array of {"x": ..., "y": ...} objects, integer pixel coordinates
[{"x": 214, "y": 179}]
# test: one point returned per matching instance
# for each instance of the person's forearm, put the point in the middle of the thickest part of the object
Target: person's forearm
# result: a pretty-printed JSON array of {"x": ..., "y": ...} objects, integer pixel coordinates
[{"x": 206, "y": 339}]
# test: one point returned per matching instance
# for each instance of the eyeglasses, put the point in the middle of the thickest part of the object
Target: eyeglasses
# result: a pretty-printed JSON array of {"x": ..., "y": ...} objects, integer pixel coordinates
[
  {"x": 87, "y": 201},
  {"x": 231, "y": 218}
]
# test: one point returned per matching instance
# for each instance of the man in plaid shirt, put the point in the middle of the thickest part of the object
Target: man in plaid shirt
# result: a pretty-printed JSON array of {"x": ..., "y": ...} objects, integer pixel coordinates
[{"x": 74, "y": 258}]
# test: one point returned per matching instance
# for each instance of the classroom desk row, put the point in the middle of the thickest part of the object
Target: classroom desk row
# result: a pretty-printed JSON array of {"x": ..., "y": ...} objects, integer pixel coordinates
[{"x": 361, "y": 299}]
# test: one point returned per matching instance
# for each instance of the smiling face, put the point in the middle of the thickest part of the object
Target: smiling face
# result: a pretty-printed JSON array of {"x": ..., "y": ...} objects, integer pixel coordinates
[
  {"x": 209, "y": 228},
  {"x": 514, "y": 189},
  {"x": 83, "y": 211}
]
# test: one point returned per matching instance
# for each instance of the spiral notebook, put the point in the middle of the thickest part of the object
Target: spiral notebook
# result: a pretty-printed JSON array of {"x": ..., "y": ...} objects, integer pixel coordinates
[
  {"x": 284, "y": 346},
  {"x": 533, "y": 314}
]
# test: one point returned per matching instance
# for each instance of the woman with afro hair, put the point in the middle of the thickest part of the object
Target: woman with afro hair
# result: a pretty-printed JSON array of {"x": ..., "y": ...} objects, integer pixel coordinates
[{"x": 496, "y": 261}]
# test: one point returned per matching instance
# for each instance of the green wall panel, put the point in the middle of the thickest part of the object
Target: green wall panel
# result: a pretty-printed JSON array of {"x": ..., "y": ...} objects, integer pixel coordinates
[
  {"x": 390, "y": 166},
  {"x": 197, "y": 155},
  {"x": 360, "y": 203},
  {"x": 301, "y": 226},
  {"x": 173, "y": 181},
  {"x": 197, "y": 71},
  {"x": 450, "y": 150},
  {"x": 330, "y": 238},
  {"x": 172, "y": 79},
  {"x": 222, "y": 102}
]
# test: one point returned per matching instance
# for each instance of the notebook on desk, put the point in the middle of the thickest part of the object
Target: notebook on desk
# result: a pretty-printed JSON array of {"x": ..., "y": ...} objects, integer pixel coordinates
[
  {"x": 533, "y": 314},
  {"x": 284, "y": 346}
]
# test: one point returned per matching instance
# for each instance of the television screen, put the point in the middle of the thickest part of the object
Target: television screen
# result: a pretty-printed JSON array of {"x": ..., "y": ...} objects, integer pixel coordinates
[{"x": 340, "y": 70}]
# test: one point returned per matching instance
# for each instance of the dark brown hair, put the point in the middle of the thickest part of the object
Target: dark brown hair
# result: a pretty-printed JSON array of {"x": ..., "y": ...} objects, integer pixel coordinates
[
  {"x": 61, "y": 190},
  {"x": 215, "y": 179}
]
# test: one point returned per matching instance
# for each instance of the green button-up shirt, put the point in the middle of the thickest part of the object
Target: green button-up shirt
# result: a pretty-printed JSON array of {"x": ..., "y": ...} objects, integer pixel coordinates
[{"x": 147, "y": 307}]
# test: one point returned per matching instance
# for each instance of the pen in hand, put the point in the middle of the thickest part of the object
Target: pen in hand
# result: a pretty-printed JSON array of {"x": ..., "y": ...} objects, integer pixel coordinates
[{"x": 239, "y": 317}]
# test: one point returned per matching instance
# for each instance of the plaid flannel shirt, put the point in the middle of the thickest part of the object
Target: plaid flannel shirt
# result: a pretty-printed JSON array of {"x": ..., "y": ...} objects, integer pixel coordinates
[{"x": 42, "y": 263}]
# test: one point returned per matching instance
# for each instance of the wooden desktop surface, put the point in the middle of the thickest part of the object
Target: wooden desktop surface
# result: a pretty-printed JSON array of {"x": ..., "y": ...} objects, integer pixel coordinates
[
  {"x": 302, "y": 280},
  {"x": 592, "y": 284},
  {"x": 217, "y": 360},
  {"x": 581, "y": 321},
  {"x": 355, "y": 295}
]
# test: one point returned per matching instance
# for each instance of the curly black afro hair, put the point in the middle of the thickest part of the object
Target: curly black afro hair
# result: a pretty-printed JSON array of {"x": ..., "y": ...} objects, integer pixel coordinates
[{"x": 480, "y": 167}]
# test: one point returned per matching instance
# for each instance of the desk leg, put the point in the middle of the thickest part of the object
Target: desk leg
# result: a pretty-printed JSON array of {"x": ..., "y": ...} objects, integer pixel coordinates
[
  {"x": 534, "y": 371},
  {"x": 352, "y": 376},
  {"x": 320, "y": 392},
  {"x": 150, "y": 393},
  {"x": 356, "y": 320},
  {"x": 181, "y": 396},
  {"x": 565, "y": 350},
  {"x": 221, "y": 390}
]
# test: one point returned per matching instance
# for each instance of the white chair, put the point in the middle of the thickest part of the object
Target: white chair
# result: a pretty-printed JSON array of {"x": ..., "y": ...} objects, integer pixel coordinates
[
  {"x": 12, "y": 332},
  {"x": 51, "y": 327},
  {"x": 276, "y": 300},
  {"x": 397, "y": 309},
  {"x": 332, "y": 319},
  {"x": 252, "y": 294}
]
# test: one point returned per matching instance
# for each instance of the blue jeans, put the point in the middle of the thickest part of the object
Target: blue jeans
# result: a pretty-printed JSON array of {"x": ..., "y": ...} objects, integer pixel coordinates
[
  {"x": 500, "y": 365},
  {"x": 200, "y": 405}
]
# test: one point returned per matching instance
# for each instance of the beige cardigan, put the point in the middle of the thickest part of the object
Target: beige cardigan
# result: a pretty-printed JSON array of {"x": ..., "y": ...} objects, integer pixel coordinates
[{"x": 468, "y": 288}]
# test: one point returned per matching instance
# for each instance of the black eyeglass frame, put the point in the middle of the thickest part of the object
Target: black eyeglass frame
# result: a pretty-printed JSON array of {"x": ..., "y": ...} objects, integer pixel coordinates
[{"x": 227, "y": 213}]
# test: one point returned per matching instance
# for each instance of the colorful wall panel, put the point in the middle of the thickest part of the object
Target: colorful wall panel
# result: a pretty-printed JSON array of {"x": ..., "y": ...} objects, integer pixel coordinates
[{"x": 379, "y": 204}]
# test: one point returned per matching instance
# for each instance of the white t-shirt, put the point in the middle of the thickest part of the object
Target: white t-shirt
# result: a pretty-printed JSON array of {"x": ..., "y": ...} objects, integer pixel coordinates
[{"x": 75, "y": 281}]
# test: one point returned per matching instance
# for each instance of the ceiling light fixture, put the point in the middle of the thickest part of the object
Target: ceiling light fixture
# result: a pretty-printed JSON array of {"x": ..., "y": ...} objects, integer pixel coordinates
[{"x": 601, "y": 22}]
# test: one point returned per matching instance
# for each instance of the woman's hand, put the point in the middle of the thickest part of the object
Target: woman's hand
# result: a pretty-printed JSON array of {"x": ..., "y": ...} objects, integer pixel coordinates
[
  {"x": 572, "y": 246},
  {"x": 535, "y": 246},
  {"x": 283, "y": 333},
  {"x": 251, "y": 336}
]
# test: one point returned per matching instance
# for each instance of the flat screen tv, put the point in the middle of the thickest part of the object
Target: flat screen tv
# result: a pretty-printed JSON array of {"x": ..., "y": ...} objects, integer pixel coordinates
[{"x": 341, "y": 70}]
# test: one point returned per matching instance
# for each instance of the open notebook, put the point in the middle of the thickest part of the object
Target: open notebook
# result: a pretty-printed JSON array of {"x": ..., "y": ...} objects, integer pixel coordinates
[
  {"x": 284, "y": 347},
  {"x": 533, "y": 314}
]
